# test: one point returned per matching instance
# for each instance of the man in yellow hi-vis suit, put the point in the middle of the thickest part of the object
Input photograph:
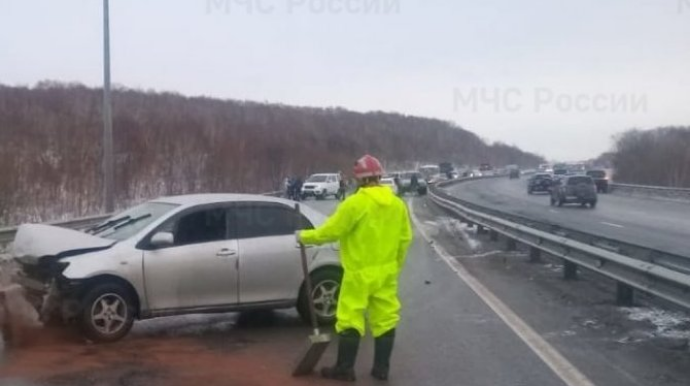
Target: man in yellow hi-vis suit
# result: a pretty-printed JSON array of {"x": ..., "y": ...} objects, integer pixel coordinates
[{"x": 373, "y": 228}]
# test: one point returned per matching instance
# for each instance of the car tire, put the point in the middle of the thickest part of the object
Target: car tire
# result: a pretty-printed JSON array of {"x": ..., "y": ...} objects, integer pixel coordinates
[
  {"x": 107, "y": 313},
  {"x": 326, "y": 289},
  {"x": 593, "y": 204},
  {"x": 553, "y": 201},
  {"x": 561, "y": 201}
]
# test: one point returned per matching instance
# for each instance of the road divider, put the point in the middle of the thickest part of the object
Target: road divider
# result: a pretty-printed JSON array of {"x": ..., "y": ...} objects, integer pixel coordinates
[
  {"x": 655, "y": 192},
  {"x": 631, "y": 266}
]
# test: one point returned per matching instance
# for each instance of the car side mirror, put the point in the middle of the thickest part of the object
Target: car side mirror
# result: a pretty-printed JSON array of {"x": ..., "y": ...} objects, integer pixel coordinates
[{"x": 162, "y": 240}]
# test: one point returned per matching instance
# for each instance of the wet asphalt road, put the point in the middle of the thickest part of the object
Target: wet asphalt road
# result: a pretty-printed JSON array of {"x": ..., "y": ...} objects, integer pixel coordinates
[
  {"x": 448, "y": 336},
  {"x": 662, "y": 225}
]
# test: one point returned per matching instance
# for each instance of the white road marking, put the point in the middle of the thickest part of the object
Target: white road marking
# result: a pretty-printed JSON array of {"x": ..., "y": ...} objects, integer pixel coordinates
[
  {"x": 565, "y": 370},
  {"x": 612, "y": 224}
]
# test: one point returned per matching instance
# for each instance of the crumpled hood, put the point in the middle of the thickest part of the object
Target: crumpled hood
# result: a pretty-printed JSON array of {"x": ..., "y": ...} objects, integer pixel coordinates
[
  {"x": 382, "y": 195},
  {"x": 34, "y": 241}
]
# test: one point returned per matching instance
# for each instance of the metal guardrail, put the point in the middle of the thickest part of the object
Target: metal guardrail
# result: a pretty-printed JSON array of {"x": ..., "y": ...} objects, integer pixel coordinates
[
  {"x": 659, "y": 273},
  {"x": 7, "y": 234},
  {"x": 645, "y": 191}
]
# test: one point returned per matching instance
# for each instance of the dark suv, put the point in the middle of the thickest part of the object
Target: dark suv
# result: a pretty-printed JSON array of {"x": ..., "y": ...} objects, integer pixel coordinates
[
  {"x": 574, "y": 189},
  {"x": 540, "y": 182},
  {"x": 600, "y": 179}
]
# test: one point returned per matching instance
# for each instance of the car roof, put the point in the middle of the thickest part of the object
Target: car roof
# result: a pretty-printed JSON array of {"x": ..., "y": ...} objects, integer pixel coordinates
[{"x": 215, "y": 198}]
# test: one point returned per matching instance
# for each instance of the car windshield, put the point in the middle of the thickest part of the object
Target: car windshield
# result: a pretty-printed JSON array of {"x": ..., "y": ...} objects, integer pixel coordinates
[
  {"x": 318, "y": 178},
  {"x": 408, "y": 175},
  {"x": 128, "y": 223},
  {"x": 579, "y": 180},
  {"x": 596, "y": 173}
]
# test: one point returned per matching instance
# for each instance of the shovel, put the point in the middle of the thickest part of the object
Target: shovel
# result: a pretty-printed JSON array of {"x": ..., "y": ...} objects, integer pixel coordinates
[{"x": 317, "y": 342}]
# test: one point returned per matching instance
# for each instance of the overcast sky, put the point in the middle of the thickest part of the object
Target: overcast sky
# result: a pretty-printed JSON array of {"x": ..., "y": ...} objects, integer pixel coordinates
[{"x": 555, "y": 77}]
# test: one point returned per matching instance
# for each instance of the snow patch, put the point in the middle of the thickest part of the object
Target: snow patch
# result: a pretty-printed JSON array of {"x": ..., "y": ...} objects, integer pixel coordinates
[
  {"x": 453, "y": 225},
  {"x": 669, "y": 324},
  {"x": 491, "y": 253},
  {"x": 554, "y": 267}
]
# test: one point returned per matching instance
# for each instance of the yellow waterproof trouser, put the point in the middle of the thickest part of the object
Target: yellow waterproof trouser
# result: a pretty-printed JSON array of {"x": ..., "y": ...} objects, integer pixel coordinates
[{"x": 373, "y": 292}]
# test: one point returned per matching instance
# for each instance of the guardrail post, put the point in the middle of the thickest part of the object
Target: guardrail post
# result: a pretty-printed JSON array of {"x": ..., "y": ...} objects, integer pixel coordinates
[
  {"x": 569, "y": 270},
  {"x": 511, "y": 245},
  {"x": 493, "y": 235},
  {"x": 625, "y": 295},
  {"x": 534, "y": 255}
]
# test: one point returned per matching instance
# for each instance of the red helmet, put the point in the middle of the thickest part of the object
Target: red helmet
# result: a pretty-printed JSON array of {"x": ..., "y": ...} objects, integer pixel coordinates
[{"x": 368, "y": 166}]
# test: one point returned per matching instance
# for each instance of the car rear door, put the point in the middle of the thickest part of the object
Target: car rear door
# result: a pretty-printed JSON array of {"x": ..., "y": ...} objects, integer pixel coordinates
[
  {"x": 270, "y": 266},
  {"x": 200, "y": 269}
]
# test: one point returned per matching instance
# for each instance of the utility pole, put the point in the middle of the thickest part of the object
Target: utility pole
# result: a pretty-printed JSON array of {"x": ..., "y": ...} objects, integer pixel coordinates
[{"x": 108, "y": 162}]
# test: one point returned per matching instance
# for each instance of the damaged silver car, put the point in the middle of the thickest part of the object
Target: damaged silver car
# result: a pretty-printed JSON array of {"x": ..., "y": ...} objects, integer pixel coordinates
[{"x": 176, "y": 255}]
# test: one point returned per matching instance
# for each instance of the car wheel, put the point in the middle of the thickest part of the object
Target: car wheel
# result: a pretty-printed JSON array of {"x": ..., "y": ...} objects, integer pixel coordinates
[
  {"x": 325, "y": 292},
  {"x": 107, "y": 313},
  {"x": 593, "y": 204},
  {"x": 553, "y": 201},
  {"x": 561, "y": 201}
]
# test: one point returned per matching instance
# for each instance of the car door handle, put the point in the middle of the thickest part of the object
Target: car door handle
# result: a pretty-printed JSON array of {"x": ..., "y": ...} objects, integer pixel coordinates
[{"x": 226, "y": 252}]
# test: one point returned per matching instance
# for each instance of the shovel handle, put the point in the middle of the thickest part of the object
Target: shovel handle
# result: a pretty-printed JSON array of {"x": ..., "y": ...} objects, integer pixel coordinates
[{"x": 307, "y": 277}]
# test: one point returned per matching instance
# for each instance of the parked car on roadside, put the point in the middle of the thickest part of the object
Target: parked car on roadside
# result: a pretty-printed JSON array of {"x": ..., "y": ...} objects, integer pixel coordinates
[
  {"x": 600, "y": 178},
  {"x": 574, "y": 189},
  {"x": 176, "y": 255},
  {"x": 540, "y": 182},
  {"x": 406, "y": 179},
  {"x": 321, "y": 185}
]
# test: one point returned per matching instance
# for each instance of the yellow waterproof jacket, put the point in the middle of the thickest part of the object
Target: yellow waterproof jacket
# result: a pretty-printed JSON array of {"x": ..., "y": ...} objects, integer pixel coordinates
[{"x": 372, "y": 226}]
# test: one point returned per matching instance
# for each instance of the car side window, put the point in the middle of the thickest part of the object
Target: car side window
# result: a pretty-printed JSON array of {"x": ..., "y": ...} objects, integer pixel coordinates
[
  {"x": 263, "y": 220},
  {"x": 201, "y": 227}
]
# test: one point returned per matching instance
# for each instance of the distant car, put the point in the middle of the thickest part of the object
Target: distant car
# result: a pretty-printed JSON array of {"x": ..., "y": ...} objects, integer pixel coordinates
[
  {"x": 321, "y": 185},
  {"x": 514, "y": 173},
  {"x": 600, "y": 179},
  {"x": 574, "y": 189},
  {"x": 176, "y": 255},
  {"x": 540, "y": 182},
  {"x": 560, "y": 171},
  {"x": 390, "y": 182},
  {"x": 405, "y": 179}
]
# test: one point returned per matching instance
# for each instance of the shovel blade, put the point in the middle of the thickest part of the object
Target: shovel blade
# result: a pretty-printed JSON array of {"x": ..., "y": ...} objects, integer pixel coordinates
[{"x": 311, "y": 354}]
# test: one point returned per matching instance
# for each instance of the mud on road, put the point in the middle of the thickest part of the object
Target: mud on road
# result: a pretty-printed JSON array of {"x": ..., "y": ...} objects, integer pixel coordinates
[{"x": 229, "y": 349}]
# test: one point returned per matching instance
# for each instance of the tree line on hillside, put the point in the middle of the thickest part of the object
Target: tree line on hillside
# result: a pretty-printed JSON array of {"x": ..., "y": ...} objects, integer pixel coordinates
[
  {"x": 168, "y": 144},
  {"x": 659, "y": 157}
]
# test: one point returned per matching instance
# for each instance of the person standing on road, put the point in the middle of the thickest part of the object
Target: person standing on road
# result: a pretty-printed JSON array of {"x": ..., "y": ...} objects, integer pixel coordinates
[
  {"x": 374, "y": 231},
  {"x": 342, "y": 187}
]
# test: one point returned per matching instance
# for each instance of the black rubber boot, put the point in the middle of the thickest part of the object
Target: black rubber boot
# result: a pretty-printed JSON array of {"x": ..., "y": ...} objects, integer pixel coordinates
[
  {"x": 383, "y": 348},
  {"x": 344, "y": 369}
]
